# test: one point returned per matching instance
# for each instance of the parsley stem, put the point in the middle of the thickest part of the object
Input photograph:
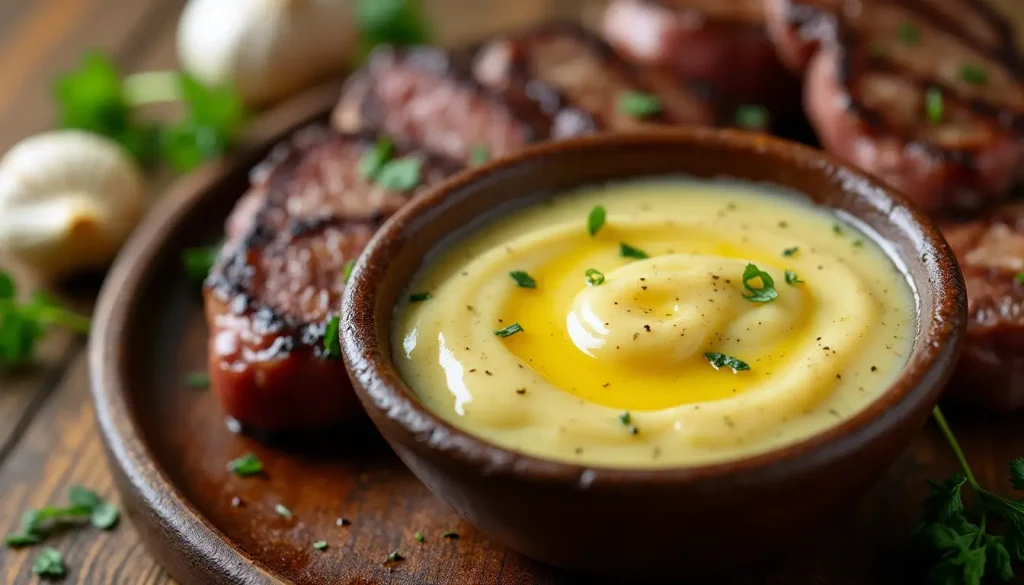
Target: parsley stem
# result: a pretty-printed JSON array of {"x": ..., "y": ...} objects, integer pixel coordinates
[
  {"x": 940, "y": 419},
  {"x": 152, "y": 87}
]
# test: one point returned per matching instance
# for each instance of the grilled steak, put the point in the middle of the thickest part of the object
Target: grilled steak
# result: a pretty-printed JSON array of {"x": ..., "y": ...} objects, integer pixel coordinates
[
  {"x": 927, "y": 95},
  {"x": 427, "y": 96},
  {"x": 991, "y": 254},
  {"x": 280, "y": 277},
  {"x": 722, "y": 44},
  {"x": 580, "y": 82}
]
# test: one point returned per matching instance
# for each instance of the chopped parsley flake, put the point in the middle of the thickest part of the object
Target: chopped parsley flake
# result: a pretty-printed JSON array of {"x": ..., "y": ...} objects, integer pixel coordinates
[
  {"x": 523, "y": 280},
  {"x": 763, "y": 294},
  {"x": 792, "y": 278},
  {"x": 933, "y": 106},
  {"x": 395, "y": 556},
  {"x": 858, "y": 243},
  {"x": 402, "y": 174},
  {"x": 479, "y": 155},
  {"x": 246, "y": 465},
  {"x": 752, "y": 117},
  {"x": 627, "y": 421},
  {"x": 320, "y": 545},
  {"x": 720, "y": 360},
  {"x": 419, "y": 537},
  {"x": 419, "y": 297},
  {"x": 510, "y": 330},
  {"x": 595, "y": 219},
  {"x": 638, "y": 104},
  {"x": 332, "y": 343},
  {"x": 790, "y": 252},
  {"x": 627, "y": 251},
  {"x": 594, "y": 277}
]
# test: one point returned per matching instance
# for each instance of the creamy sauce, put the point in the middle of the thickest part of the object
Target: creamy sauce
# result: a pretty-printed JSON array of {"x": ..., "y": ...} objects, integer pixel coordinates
[{"x": 622, "y": 372}]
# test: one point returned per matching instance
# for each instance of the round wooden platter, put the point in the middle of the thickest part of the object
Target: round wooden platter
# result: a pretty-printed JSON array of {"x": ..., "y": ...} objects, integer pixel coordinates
[{"x": 168, "y": 446}]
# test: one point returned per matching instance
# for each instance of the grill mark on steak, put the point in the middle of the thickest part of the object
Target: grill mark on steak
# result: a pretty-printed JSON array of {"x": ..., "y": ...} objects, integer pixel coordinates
[{"x": 855, "y": 53}]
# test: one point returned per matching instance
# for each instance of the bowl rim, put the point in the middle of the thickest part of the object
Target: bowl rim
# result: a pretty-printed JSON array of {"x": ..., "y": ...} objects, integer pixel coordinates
[{"x": 391, "y": 402}]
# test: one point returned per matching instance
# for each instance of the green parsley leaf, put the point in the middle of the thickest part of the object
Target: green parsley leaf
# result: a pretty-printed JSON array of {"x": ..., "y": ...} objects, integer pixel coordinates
[
  {"x": 374, "y": 158},
  {"x": 998, "y": 557},
  {"x": 837, "y": 229},
  {"x": 720, "y": 360},
  {"x": 320, "y": 545},
  {"x": 510, "y": 330},
  {"x": 752, "y": 117},
  {"x": 933, "y": 105},
  {"x": 395, "y": 556},
  {"x": 22, "y": 324},
  {"x": 197, "y": 380},
  {"x": 594, "y": 277},
  {"x": 332, "y": 342},
  {"x": 246, "y": 465},
  {"x": 104, "y": 516},
  {"x": 419, "y": 297},
  {"x": 909, "y": 33},
  {"x": 8, "y": 290},
  {"x": 792, "y": 279},
  {"x": 346, "y": 271},
  {"x": 199, "y": 261},
  {"x": 419, "y": 537},
  {"x": 627, "y": 421},
  {"x": 49, "y": 564},
  {"x": 595, "y": 219},
  {"x": 282, "y": 511},
  {"x": 1017, "y": 473},
  {"x": 80, "y": 496},
  {"x": 449, "y": 534},
  {"x": 790, "y": 252},
  {"x": 858, "y": 243},
  {"x": 763, "y": 294},
  {"x": 523, "y": 280},
  {"x": 21, "y": 539},
  {"x": 401, "y": 174},
  {"x": 627, "y": 251},
  {"x": 478, "y": 155},
  {"x": 209, "y": 129},
  {"x": 390, "y": 22},
  {"x": 639, "y": 104},
  {"x": 973, "y": 74}
]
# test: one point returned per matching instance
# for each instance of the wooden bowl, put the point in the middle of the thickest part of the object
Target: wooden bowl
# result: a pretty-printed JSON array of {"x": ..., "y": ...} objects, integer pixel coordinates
[{"x": 633, "y": 522}]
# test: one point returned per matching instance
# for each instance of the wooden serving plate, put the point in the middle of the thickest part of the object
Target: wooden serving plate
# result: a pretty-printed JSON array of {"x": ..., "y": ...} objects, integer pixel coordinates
[{"x": 168, "y": 446}]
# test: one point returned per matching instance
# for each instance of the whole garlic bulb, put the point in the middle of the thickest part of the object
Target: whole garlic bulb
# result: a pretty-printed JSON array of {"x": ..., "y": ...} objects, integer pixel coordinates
[
  {"x": 268, "y": 49},
  {"x": 68, "y": 201}
]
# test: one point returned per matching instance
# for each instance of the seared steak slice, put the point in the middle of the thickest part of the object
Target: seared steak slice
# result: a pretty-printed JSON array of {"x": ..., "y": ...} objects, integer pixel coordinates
[
  {"x": 578, "y": 80},
  {"x": 425, "y": 96},
  {"x": 991, "y": 254},
  {"x": 928, "y": 95},
  {"x": 281, "y": 275},
  {"x": 722, "y": 44}
]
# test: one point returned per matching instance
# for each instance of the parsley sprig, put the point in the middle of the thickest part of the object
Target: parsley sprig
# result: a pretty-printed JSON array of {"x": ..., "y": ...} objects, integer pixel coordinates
[
  {"x": 83, "y": 505},
  {"x": 962, "y": 535},
  {"x": 23, "y": 323}
]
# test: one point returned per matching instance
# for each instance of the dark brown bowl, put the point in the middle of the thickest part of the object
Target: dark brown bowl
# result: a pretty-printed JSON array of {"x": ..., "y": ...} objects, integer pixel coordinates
[{"x": 632, "y": 522}]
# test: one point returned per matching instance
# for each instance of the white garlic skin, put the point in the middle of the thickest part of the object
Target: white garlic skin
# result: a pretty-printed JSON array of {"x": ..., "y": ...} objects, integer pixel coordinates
[
  {"x": 267, "y": 49},
  {"x": 68, "y": 200}
]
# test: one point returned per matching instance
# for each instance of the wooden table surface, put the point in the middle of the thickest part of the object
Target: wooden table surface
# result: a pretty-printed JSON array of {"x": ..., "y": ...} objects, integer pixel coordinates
[{"x": 48, "y": 438}]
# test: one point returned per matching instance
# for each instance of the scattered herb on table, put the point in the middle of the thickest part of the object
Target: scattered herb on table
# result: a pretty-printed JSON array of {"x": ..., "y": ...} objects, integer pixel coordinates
[
  {"x": 509, "y": 330},
  {"x": 246, "y": 465},
  {"x": 50, "y": 564},
  {"x": 594, "y": 277},
  {"x": 963, "y": 536},
  {"x": 479, "y": 155},
  {"x": 23, "y": 323},
  {"x": 395, "y": 556},
  {"x": 720, "y": 360},
  {"x": 627, "y": 251},
  {"x": 320, "y": 545},
  {"x": 197, "y": 380},
  {"x": 595, "y": 219},
  {"x": 638, "y": 104},
  {"x": 332, "y": 342},
  {"x": 752, "y": 117},
  {"x": 763, "y": 294},
  {"x": 419, "y": 537},
  {"x": 792, "y": 278},
  {"x": 102, "y": 515},
  {"x": 83, "y": 504},
  {"x": 790, "y": 252},
  {"x": 523, "y": 280},
  {"x": 419, "y": 297}
]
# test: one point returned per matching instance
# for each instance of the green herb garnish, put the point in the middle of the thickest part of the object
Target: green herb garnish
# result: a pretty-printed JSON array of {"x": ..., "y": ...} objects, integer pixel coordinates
[
  {"x": 390, "y": 22},
  {"x": 1019, "y": 277},
  {"x": 933, "y": 105},
  {"x": 479, "y": 155},
  {"x": 419, "y": 297},
  {"x": 395, "y": 556},
  {"x": 332, "y": 342},
  {"x": 246, "y": 465},
  {"x": 720, "y": 360},
  {"x": 449, "y": 534},
  {"x": 973, "y": 74},
  {"x": 197, "y": 380},
  {"x": 909, "y": 33},
  {"x": 752, "y": 117},
  {"x": 282, "y": 511},
  {"x": 346, "y": 271},
  {"x": 594, "y": 277},
  {"x": 627, "y": 421},
  {"x": 790, "y": 252},
  {"x": 50, "y": 564},
  {"x": 199, "y": 261},
  {"x": 858, "y": 243},
  {"x": 627, "y": 251},
  {"x": 419, "y": 537},
  {"x": 320, "y": 545},
  {"x": 962, "y": 536},
  {"x": 639, "y": 104},
  {"x": 792, "y": 278},
  {"x": 82, "y": 504},
  {"x": 374, "y": 158},
  {"x": 510, "y": 330},
  {"x": 595, "y": 219},
  {"x": 401, "y": 174},
  {"x": 209, "y": 128},
  {"x": 23, "y": 323},
  {"x": 523, "y": 280},
  {"x": 837, "y": 229},
  {"x": 763, "y": 294}
]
